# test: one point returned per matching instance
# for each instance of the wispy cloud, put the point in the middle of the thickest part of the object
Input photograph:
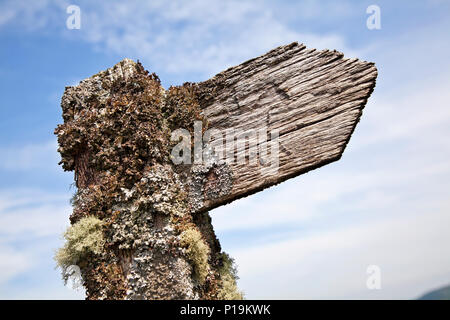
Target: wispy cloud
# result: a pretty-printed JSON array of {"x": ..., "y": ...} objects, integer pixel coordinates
[
  {"x": 32, "y": 15},
  {"x": 332, "y": 263},
  {"x": 182, "y": 37},
  {"x": 41, "y": 156},
  {"x": 178, "y": 36},
  {"x": 31, "y": 227},
  {"x": 29, "y": 215},
  {"x": 12, "y": 263}
]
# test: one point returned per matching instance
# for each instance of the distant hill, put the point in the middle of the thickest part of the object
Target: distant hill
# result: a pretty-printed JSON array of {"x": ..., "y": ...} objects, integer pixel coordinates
[{"x": 438, "y": 294}]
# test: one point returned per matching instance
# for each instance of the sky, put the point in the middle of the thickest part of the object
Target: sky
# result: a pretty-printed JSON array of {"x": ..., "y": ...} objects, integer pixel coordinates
[{"x": 384, "y": 204}]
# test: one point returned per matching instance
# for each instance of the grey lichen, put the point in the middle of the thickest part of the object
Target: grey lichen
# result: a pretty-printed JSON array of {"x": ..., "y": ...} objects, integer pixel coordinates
[
  {"x": 228, "y": 276},
  {"x": 197, "y": 252},
  {"x": 82, "y": 238},
  {"x": 209, "y": 181}
]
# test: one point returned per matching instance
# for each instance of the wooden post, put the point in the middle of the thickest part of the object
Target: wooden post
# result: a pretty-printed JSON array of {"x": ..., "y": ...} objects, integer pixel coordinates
[{"x": 150, "y": 163}]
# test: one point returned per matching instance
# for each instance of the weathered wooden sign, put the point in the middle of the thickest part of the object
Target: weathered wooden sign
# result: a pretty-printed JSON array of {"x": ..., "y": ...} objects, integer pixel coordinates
[{"x": 149, "y": 163}]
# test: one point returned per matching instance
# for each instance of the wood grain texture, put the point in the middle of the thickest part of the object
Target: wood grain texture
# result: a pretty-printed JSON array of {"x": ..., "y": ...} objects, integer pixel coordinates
[{"x": 313, "y": 98}]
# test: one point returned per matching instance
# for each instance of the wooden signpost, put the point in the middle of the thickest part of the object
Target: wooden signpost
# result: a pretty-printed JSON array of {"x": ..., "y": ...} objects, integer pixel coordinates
[{"x": 149, "y": 163}]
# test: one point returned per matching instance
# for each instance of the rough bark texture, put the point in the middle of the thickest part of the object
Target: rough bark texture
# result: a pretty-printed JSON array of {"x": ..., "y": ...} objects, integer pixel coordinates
[
  {"x": 313, "y": 98},
  {"x": 158, "y": 239}
]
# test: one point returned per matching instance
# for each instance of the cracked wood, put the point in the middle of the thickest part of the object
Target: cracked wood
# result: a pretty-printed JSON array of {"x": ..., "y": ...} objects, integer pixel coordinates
[{"x": 313, "y": 98}]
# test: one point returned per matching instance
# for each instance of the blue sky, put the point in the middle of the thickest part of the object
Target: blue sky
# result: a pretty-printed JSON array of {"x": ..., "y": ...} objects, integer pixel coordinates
[{"x": 384, "y": 203}]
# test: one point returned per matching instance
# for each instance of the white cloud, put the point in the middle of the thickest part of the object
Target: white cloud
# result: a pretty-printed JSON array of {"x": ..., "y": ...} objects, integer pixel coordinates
[
  {"x": 309, "y": 197},
  {"x": 32, "y": 214},
  {"x": 12, "y": 263},
  {"x": 32, "y": 15},
  {"x": 182, "y": 37},
  {"x": 44, "y": 291},
  {"x": 30, "y": 157},
  {"x": 31, "y": 227},
  {"x": 332, "y": 264},
  {"x": 179, "y": 37},
  {"x": 32, "y": 222}
]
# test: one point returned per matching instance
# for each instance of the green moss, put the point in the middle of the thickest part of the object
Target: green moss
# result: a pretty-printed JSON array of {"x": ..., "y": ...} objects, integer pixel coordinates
[
  {"x": 228, "y": 277},
  {"x": 82, "y": 238},
  {"x": 197, "y": 253}
]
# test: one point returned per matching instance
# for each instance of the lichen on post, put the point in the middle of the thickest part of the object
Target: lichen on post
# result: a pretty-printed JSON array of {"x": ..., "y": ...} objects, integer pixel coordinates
[{"x": 116, "y": 138}]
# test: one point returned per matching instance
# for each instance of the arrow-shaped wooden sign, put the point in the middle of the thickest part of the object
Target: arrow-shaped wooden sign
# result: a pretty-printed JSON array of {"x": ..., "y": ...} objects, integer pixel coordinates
[{"x": 311, "y": 99}]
